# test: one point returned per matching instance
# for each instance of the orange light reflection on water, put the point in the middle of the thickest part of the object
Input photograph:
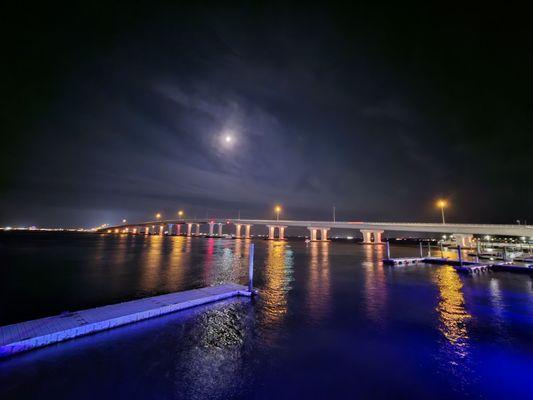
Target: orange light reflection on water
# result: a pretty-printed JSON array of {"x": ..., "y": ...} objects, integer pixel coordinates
[
  {"x": 375, "y": 284},
  {"x": 451, "y": 308},
  {"x": 151, "y": 272},
  {"x": 319, "y": 279},
  {"x": 278, "y": 275}
]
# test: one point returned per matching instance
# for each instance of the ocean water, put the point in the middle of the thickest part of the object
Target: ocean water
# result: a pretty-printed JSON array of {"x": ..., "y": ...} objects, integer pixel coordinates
[{"x": 330, "y": 321}]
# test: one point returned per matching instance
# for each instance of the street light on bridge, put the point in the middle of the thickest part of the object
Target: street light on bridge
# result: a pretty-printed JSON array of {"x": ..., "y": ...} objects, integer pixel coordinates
[
  {"x": 277, "y": 209},
  {"x": 158, "y": 216},
  {"x": 180, "y": 213},
  {"x": 124, "y": 221},
  {"x": 442, "y": 204}
]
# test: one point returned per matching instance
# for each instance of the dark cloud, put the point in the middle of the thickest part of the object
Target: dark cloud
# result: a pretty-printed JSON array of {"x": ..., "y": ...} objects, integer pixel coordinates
[{"x": 122, "y": 111}]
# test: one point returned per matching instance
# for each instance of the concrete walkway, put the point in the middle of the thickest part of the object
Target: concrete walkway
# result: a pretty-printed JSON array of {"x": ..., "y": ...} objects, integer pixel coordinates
[{"x": 28, "y": 335}]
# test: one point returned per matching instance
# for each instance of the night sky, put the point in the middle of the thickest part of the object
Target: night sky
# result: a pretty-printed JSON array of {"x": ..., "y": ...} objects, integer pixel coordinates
[{"x": 120, "y": 111}]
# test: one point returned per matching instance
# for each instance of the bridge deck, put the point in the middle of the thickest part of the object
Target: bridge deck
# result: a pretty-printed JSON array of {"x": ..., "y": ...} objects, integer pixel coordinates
[
  {"x": 41, "y": 332},
  {"x": 474, "y": 229}
]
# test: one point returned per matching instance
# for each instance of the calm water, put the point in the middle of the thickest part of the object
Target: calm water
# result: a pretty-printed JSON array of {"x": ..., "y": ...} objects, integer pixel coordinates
[{"x": 330, "y": 321}]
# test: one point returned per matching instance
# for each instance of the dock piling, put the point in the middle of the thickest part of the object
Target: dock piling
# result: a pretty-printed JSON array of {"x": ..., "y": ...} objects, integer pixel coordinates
[
  {"x": 251, "y": 268},
  {"x": 388, "y": 249},
  {"x": 459, "y": 255},
  {"x": 421, "y": 251}
]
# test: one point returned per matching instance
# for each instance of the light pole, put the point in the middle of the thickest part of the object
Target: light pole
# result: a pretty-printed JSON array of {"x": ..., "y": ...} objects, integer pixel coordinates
[
  {"x": 442, "y": 204},
  {"x": 278, "y": 210}
]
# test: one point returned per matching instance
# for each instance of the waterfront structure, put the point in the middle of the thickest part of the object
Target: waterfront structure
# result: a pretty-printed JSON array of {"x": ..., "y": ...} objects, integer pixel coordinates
[
  {"x": 29, "y": 335},
  {"x": 371, "y": 231}
]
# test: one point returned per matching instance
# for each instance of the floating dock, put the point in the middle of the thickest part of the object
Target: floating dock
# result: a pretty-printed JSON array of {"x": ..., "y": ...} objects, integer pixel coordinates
[
  {"x": 29, "y": 335},
  {"x": 470, "y": 267},
  {"x": 473, "y": 269},
  {"x": 527, "y": 268},
  {"x": 403, "y": 261}
]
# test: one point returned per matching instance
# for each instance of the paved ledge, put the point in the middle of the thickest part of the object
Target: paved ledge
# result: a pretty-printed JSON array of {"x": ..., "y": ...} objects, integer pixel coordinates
[{"x": 29, "y": 335}]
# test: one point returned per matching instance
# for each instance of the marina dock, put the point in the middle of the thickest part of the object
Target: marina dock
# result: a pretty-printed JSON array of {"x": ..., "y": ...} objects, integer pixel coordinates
[
  {"x": 526, "y": 268},
  {"x": 29, "y": 335},
  {"x": 403, "y": 261},
  {"x": 463, "y": 266}
]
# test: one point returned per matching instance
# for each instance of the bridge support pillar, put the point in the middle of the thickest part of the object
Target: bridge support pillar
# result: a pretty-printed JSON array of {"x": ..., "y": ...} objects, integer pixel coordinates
[
  {"x": 312, "y": 233},
  {"x": 161, "y": 229},
  {"x": 189, "y": 229},
  {"x": 377, "y": 237},
  {"x": 197, "y": 232},
  {"x": 366, "y": 236},
  {"x": 464, "y": 240},
  {"x": 247, "y": 231},
  {"x": 324, "y": 234},
  {"x": 238, "y": 231},
  {"x": 219, "y": 229},
  {"x": 178, "y": 229},
  {"x": 211, "y": 228},
  {"x": 271, "y": 232}
]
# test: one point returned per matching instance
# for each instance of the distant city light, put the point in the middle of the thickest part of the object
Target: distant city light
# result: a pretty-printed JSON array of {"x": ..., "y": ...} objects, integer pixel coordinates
[{"x": 123, "y": 221}]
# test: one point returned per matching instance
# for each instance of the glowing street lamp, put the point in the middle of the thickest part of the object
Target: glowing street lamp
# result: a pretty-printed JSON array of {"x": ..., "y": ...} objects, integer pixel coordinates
[
  {"x": 277, "y": 209},
  {"x": 180, "y": 213},
  {"x": 124, "y": 221},
  {"x": 158, "y": 215},
  {"x": 442, "y": 204}
]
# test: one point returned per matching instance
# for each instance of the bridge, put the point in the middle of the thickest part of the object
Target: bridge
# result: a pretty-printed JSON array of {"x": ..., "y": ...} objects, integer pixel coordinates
[{"x": 318, "y": 230}]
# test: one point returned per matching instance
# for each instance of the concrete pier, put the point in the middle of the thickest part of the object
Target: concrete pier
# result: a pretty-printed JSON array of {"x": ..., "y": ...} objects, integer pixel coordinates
[
  {"x": 272, "y": 232},
  {"x": 465, "y": 241},
  {"x": 313, "y": 233},
  {"x": 29, "y": 335},
  {"x": 247, "y": 231},
  {"x": 368, "y": 234}
]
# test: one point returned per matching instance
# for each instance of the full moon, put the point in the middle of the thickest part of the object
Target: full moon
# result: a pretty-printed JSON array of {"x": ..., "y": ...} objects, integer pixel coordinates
[{"x": 228, "y": 139}]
